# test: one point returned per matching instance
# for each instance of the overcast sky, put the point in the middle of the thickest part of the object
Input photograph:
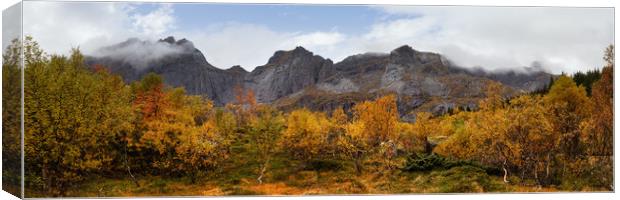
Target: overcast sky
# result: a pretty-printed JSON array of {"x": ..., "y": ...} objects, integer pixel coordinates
[{"x": 561, "y": 39}]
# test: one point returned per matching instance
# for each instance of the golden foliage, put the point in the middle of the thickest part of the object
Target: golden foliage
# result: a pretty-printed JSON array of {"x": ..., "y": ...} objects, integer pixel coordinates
[
  {"x": 379, "y": 117},
  {"x": 306, "y": 134}
]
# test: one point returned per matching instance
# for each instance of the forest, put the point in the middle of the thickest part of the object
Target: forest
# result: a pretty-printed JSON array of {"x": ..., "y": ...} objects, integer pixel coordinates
[{"x": 90, "y": 134}]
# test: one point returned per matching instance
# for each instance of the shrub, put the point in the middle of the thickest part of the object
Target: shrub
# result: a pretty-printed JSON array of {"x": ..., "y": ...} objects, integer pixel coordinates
[{"x": 461, "y": 179}]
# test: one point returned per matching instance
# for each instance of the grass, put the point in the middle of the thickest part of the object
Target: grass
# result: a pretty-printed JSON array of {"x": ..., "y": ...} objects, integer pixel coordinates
[
  {"x": 238, "y": 176},
  {"x": 280, "y": 181},
  {"x": 462, "y": 179}
]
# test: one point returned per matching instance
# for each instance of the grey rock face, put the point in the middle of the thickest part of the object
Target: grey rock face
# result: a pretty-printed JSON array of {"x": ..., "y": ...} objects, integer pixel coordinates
[
  {"x": 343, "y": 85},
  {"x": 286, "y": 72}
]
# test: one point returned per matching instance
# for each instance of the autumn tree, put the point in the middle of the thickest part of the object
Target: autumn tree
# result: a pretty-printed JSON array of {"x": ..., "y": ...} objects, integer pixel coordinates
[
  {"x": 516, "y": 135},
  {"x": 457, "y": 142},
  {"x": 172, "y": 134},
  {"x": 263, "y": 133},
  {"x": 494, "y": 96},
  {"x": 490, "y": 143},
  {"x": 374, "y": 130},
  {"x": 355, "y": 145},
  {"x": 11, "y": 114},
  {"x": 72, "y": 118},
  {"x": 337, "y": 143},
  {"x": 423, "y": 127},
  {"x": 533, "y": 136},
  {"x": 245, "y": 105},
  {"x": 339, "y": 117},
  {"x": 157, "y": 126},
  {"x": 203, "y": 148},
  {"x": 306, "y": 135},
  {"x": 380, "y": 118},
  {"x": 598, "y": 132},
  {"x": 568, "y": 107},
  {"x": 485, "y": 137}
]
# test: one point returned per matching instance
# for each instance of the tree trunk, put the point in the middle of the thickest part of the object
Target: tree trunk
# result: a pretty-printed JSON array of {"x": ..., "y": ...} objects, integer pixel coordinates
[
  {"x": 536, "y": 173},
  {"x": 547, "y": 167},
  {"x": 133, "y": 178},
  {"x": 262, "y": 172},
  {"x": 428, "y": 148},
  {"x": 46, "y": 183},
  {"x": 358, "y": 166},
  {"x": 505, "y": 172}
]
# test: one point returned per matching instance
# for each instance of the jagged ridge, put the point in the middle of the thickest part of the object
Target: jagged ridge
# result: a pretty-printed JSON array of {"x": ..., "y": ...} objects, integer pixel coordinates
[{"x": 295, "y": 78}]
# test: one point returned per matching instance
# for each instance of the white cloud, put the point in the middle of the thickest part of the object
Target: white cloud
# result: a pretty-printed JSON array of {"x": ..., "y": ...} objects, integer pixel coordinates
[
  {"x": 251, "y": 45},
  {"x": 562, "y": 39},
  {"x": 155, "y": 23},
  {"x": 319, "y": 39},
  {"x": 225, "y": 45},
  {"x": 60, "y": 26}
]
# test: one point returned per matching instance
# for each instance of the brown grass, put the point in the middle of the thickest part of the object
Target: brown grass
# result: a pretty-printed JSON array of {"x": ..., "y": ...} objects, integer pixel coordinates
[{"x": 372, "y": 181}]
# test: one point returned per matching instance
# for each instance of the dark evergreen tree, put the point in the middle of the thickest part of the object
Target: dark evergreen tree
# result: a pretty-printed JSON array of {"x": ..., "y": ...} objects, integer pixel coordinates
[{"x": 587, "y": 79}]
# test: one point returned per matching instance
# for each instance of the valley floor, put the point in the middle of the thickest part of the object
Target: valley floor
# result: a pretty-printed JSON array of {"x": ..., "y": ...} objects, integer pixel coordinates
[{"x": 463, "y": 179}]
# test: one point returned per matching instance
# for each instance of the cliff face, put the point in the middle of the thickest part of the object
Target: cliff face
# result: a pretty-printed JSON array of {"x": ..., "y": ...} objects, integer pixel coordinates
[
  {"x": 422, "y": 81},
  {"x": 298, "y": 78},
  {"x": 286, "y": 73}
]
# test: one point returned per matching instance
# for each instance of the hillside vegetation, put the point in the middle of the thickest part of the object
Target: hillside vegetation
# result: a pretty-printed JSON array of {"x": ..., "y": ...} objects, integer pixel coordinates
[{"x": 88, "y": 133}]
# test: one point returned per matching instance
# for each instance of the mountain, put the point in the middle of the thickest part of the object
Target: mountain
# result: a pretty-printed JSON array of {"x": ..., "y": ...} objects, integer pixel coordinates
[
  {"x": 179, "y": 63},
  {"x": 298, "y": 78},
  {"x": 287, "y": 72},
  {"x": 423, "y": 81}
]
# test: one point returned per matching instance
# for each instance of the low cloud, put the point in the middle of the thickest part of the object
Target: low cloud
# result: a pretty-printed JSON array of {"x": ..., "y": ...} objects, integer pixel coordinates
[
  {"x": 559, "y": 38},
  {"x": 140, "y": 54}
]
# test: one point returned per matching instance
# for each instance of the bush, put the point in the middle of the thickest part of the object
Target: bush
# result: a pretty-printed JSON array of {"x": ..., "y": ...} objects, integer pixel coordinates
[
  {"x": 428, "y": 162},
  {"x": 425, "y": 162},
  {"x": 588, "y": 173},
  {"x": 323, "y": 165}
]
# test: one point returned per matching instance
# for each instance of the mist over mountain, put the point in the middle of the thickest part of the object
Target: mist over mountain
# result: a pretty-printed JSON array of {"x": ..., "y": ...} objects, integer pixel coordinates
[
  {"x": 299, "y": 78},
  {"x": 141, "y": 54}
]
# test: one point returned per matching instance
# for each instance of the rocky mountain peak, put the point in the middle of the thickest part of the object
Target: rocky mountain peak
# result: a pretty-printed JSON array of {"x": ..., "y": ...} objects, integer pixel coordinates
[
  {"x": 237, "y": 69},
  {"x": 182, "y": 42},
  {"x": 282, "y": 56},
  {"x": 404, "y": 54},
  {"x": 301, "y": 50},
  {"x": 169, "y": 40},
  {"x": 404, "y": 50}
]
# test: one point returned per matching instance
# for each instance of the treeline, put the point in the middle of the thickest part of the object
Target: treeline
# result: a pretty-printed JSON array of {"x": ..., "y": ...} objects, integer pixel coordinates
[
  {"x": 587, "y": 79},
  {"x": 563, "y": 137},
  {"x": 83, "y": 123}
]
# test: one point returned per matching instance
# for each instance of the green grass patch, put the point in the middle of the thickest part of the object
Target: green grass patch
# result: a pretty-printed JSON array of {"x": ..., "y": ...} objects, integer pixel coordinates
[{"x": 462, "y": 179}]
